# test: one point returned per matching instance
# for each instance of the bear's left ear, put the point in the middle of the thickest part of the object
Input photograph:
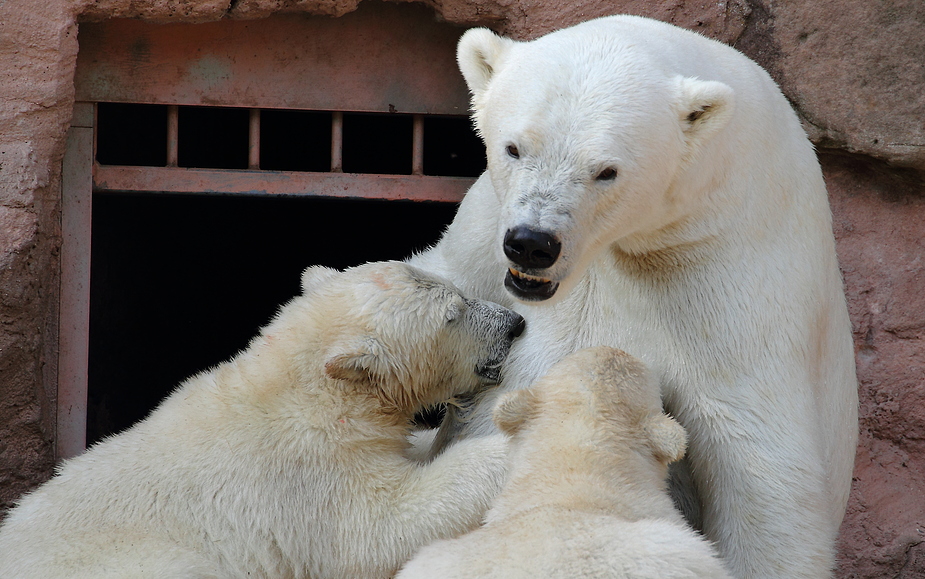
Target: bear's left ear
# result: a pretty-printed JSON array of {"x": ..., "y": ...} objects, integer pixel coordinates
[
  {"x": 704, "y": 107},
  {"x": 667, "y": 438},
  {"x": 362, "y": 360},
  {"x": 514, "y": 409}
]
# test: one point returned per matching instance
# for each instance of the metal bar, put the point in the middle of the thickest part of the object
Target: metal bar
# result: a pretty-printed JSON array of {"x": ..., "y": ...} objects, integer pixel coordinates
[
  {"x": 417, "y": 145},
  {"x": 74, "y": 304},
  {"x": 93, "y": 123},
  {"x": 217, "y": 181},
  {"x": 350, "y": 61},
  {"x": 337, "y": 142},
  {"x": 253, "y": 140},
  {"x": 173, "y": 131}
]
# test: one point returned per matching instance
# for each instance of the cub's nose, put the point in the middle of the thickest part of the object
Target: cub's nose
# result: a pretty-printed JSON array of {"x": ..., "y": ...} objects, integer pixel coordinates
[
  {"x": 531, "y": 249},
  {"x": 519, "y": 324}
]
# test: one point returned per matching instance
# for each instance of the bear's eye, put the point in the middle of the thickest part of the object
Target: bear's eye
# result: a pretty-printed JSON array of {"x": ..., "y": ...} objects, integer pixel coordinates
[
  {"x": 607, "y": 174},
  {"x": 513, "y": 152}
]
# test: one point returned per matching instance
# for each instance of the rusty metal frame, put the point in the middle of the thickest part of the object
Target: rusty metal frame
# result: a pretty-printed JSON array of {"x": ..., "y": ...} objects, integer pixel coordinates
[
  {"x": 136, "y": 62},
  {"x": 384, "y": 58},
  {"x": 253, "y": 181},
  {"x": 74, "y": 306},
  {"x": 232, "y": 182}
]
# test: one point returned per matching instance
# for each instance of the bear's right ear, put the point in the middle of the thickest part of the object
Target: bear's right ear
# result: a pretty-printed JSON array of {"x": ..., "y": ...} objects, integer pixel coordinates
[
  {"x": 514, "y": 409},
  {"x": 479, "y": 55},
  {"x": 313, "y": 277},
  {"x": 363, "y": 360},
  {"x": 667, "y": 438}
]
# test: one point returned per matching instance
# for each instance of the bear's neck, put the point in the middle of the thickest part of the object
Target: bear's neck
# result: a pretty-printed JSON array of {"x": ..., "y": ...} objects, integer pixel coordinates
[
  {"x": 663, "y": 262},
  {"x": 594, "y": 480}
]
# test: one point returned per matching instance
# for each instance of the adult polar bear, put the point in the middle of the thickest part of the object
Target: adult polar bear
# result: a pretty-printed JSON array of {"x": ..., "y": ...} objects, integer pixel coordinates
[{"x": 652, "y": 190}]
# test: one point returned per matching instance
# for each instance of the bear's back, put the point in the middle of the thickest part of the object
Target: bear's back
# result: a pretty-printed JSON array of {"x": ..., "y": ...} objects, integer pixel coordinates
[{"x": 559, "y": 543}]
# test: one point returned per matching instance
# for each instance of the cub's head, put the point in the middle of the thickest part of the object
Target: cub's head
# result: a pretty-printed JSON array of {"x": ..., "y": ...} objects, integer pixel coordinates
[
  {"x": 599, "y": 396},
  {"x": 591, "y": 140},
  {"x": 410, "y": 339}
]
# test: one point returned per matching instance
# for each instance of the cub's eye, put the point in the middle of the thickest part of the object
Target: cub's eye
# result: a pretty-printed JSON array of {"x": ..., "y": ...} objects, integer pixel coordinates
[
  {"x": 453, "y": 313},
  {"x": 513, "y": 152},
  {"x": 607, "y": 174}
]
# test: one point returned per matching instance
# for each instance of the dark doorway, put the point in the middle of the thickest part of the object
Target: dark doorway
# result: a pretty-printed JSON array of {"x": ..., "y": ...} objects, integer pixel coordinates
[{"x": 180, "y": 283}]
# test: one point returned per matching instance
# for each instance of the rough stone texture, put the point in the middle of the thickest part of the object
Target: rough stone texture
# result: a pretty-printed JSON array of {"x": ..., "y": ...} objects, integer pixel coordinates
[
  {"x": 38, "y": 45},
  {"x": 206, "y": 10},
  {"x": 528, "y": 19},
  {"x": 880, "y": 227},
  {"x": 853, "y": 69}
]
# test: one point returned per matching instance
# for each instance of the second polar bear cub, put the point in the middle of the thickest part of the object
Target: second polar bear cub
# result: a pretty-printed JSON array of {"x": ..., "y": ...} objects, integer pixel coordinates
[
  {"x": 586, "y": 493},
  {"x": 288, "y": 460}
]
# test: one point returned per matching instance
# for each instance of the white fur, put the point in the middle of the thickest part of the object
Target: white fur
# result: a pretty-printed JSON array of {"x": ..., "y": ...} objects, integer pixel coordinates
[
  {"x": 288, "y": 460},
  {"x": 586, "y": 495},
  {"x": 710, "y": 256}
]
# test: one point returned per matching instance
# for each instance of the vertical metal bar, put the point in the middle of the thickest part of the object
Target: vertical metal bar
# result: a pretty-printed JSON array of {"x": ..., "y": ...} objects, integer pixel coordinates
[
  {"x": 253, "y": 140},
  {"x": 417, "y": 145},
  {"x": 173, "y": 131},
  {"x": 74, "y": 300},
  {"x": 96, "y": 114},
  {"x": 337, "y": 142}
]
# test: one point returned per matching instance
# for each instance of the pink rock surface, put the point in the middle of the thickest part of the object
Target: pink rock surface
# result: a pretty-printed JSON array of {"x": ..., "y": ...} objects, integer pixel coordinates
[
  {"x": 879, "y": 222},
  {"x": 855, "y": 71},
  {"x": 38, "y": 46}
]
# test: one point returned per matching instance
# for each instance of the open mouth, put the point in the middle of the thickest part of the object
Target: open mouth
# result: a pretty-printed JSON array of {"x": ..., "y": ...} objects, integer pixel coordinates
[
  {"x": 490, "y": 373},
  {"x": 529, "y": 287}
]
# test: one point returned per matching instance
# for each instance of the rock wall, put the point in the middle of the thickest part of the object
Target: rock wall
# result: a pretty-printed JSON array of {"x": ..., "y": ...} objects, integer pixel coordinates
[
  {"x": 879, "y": 222},
  {"x": 854, "y": 70},
  {"x": 38, "y": 48}
]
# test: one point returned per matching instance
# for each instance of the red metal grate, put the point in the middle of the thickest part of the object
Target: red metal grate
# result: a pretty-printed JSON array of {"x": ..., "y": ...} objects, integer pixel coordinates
[{"x": 389, "y": 156}]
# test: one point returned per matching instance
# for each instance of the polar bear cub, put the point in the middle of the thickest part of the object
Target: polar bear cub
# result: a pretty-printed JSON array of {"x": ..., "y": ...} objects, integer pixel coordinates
[
  {"x": 586, "y": 495},
  {"x": 288, "y": 460}
]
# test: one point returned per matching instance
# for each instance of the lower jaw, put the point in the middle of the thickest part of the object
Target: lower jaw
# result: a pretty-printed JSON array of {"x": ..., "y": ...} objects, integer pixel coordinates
[{"x": 529, "y": 290}]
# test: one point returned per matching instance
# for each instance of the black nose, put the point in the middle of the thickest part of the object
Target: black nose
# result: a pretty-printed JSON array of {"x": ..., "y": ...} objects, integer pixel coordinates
[
  {"x": 531, "y": 249},
  {"x": 518, "y": 328}
]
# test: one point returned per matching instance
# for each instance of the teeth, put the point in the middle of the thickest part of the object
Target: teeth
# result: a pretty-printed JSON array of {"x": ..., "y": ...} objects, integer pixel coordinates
[{"x": 525, "y": 276}]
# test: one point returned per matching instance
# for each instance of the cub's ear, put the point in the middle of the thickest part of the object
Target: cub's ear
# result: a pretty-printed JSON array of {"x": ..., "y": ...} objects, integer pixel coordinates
[
  {"x": 362, "y": 360},
  {"x": 514, "y": 409},
  {"x": 314, "y": 276},
  {"x": 704, "y": 107},
  {"x": 667, "y": 438},
  {"x": 479, "y": 55}
]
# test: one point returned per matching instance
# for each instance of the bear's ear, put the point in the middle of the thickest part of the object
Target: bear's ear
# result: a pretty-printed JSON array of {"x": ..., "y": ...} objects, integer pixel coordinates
[
  {"x": 313, "y": 277},
  {"x": 667, "y": 438},
  {"x": 514, "y": 409},
  {"x": 362, "y": 360},
  {"x": 479, "y": 55},
  {"x": 704, "y": 107}
]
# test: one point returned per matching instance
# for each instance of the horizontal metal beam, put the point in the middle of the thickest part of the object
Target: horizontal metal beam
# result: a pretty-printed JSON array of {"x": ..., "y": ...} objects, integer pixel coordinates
[
  {"x": 233, "y": 182},
  {"x": 382, "y": 57}
]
